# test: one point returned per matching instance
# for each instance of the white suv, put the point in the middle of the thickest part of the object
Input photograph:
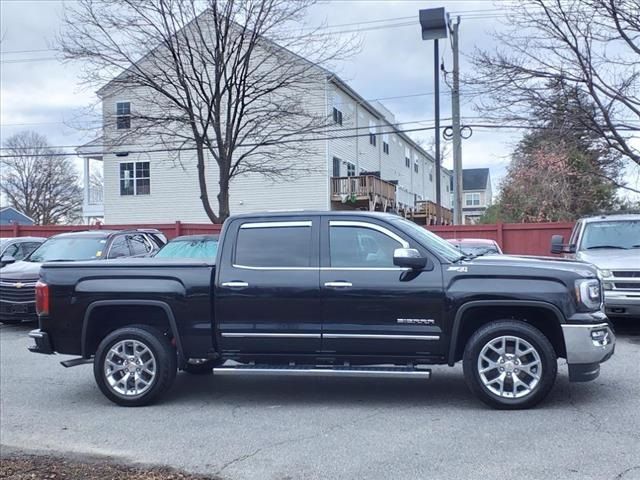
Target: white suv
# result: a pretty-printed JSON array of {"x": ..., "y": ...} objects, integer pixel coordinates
[{"x": 612, "y": 243}]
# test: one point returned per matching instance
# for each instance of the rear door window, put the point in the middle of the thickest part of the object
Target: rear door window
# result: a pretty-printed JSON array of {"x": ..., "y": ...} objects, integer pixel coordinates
[
  {"x": 119, "y": 247},
  {"x": 274, "y": 244},
  {"x": 139, "y": 245}
]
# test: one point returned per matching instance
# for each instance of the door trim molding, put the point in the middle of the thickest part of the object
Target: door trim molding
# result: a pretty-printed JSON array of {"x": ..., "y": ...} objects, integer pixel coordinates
[
  {"x": 269, "y": 335},
  {"x": 374, "y": 336}
]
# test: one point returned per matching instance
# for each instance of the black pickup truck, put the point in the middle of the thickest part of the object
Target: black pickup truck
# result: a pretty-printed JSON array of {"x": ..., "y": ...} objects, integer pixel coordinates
[{"x": 327, "y": 293}]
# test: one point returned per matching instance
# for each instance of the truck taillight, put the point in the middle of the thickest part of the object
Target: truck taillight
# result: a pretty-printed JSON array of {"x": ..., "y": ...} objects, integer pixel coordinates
[{"x": 42, "y": 298}]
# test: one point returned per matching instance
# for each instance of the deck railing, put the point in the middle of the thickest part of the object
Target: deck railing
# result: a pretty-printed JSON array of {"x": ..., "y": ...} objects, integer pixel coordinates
[{"x": 362, "y": 187}]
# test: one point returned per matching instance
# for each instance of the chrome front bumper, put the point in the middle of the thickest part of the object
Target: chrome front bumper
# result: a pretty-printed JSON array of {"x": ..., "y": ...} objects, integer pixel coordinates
[
  {"x": 587, "y": 346},
  {"x": 619, "y": 303}
]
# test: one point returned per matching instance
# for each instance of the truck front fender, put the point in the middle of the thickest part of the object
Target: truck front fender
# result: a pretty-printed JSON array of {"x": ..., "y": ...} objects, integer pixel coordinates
[{"x": 516, "y": 304}]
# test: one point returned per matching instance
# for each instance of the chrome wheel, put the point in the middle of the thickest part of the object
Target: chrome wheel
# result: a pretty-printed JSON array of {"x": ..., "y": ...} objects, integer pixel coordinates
[
  {"x": 130, "y": 368},
  {"x": 509, "y": 367}
]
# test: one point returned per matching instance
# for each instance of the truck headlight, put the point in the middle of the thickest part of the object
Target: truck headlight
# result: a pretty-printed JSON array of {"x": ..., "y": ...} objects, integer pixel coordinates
[
  {"x": 589, "y": 293},
  {"x": 604, "y": 273}
]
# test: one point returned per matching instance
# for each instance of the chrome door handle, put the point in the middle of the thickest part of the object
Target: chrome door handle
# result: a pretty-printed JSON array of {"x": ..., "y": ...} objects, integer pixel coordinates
[
  {"x": 235, "y": 284},
  {"x": 338, "y": 284}
]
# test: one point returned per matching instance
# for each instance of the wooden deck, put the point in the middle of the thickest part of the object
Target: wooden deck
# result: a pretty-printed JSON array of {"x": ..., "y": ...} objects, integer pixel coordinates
[
  {"x": 426, "y": 213},
  {"x": 360, "y": 191},
  {"x": 370, "y": 192}
]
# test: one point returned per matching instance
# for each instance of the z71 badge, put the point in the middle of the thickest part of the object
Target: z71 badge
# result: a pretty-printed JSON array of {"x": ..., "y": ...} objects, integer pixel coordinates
[{"x": 458, "y": 269}]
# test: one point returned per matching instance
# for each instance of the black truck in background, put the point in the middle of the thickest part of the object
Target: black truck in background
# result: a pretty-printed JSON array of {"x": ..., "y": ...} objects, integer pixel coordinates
[{"x": 327, "y": 293}]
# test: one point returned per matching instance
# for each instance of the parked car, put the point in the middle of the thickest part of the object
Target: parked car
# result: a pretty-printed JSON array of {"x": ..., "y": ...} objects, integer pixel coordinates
[
  {"x": 612, "y": 243},
  {"x": 327, "y": 293},
  {"x": 476, "y": 246},
  {"x": 17, "y": 248},
  {"x": 190, "y": 246},
  {"x": 18, "y": 280}
]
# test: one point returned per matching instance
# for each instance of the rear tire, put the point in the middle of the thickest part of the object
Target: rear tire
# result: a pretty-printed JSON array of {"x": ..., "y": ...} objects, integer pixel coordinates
[
  {"x": 509, "y": 365},
  {"x": 135, "y": 365}
]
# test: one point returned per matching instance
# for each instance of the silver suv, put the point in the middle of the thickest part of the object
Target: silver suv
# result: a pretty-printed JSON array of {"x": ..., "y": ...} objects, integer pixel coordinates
[{"x": 612, "y": 243}]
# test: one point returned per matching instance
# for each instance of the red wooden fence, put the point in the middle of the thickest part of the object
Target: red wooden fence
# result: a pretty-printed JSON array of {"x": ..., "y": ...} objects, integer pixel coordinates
[{"x": 516, "y": 238}]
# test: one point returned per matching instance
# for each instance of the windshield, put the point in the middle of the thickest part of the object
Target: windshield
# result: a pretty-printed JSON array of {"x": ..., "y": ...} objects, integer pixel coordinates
[
  {"x": 477, "y": 249},
  {"x": 189, "y": 249},
  {"x": 621, "y": 234},
  {"x": 432, "y": 241},
  {"x": 3, "y": 242},
  {"x": 60, "y": 249}
]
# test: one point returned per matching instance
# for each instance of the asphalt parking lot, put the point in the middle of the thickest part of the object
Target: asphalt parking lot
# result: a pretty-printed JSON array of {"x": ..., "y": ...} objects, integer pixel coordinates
[{"x": 309, "y": 428}]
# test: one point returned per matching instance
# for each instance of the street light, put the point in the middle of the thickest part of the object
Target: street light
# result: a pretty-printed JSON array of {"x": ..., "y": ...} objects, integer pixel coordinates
[{"x": 434, "y": 26}]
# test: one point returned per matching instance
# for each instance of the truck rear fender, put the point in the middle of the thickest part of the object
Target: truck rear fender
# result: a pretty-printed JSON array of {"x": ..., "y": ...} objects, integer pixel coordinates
[
  {"x": 92, "y": 335},
  {"x": 546, "y": 317}
]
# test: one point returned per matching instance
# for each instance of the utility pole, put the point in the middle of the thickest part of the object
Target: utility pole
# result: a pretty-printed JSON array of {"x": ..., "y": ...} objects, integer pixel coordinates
[
  {"x": 455, "y": 118},
  {"x": 436, "y": 82},
  {"x": 434, "y": 26}
]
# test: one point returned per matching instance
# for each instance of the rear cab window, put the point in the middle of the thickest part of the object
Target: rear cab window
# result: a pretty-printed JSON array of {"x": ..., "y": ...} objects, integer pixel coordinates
[{"x": 275, "y": 244}]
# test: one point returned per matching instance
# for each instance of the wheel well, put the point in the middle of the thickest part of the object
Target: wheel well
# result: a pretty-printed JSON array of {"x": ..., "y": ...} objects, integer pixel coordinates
[
  {"x": 542, "y": 318},
  {"x": 106, "y": 319}
]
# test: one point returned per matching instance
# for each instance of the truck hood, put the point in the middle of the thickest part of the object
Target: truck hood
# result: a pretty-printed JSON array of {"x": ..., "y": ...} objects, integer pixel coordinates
[
  {"x": 21, "y": 271},
  {"x": 612, "y": 259},
  {"x": 542, "y": 264}
]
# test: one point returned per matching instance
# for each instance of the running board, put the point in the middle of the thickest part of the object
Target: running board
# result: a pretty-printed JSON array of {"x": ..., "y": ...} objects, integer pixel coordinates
[
  {"x": 338, "y": 371},
  {"x": 74, "y": 362}
]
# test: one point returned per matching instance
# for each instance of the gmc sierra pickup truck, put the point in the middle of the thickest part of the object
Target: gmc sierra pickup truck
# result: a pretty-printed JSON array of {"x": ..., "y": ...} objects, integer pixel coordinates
[{"x": 327, "y": 293}]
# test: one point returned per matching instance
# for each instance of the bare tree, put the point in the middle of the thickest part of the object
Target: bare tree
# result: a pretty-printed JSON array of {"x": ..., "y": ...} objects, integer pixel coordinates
[
  {"x": 231, "y": 80},
  {"x": 38, "y": 181},
  {"x": 591, "y": 45}
]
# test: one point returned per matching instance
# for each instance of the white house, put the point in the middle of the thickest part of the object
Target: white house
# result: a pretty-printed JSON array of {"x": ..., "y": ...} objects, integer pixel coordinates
[
  {"x": 476, "y": 193},
  {"x": 380, "y": 168}
]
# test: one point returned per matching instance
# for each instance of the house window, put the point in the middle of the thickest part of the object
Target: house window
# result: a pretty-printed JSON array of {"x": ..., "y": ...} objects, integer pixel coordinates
[
  {"x": 336, "y": 166},
  {"x": 407, "y": 162},
  {"x": 123, "y": 115},
  {"x": 415, "y": 167},
  {"x": 135, "y": 178},
  {"x": 385, "y": 147},
  {"x": 471, "y": 199},
  {"x": 351, "y": 169},
  {"x": 372, "y": 133},
  {"x": 337, "y": 116}
]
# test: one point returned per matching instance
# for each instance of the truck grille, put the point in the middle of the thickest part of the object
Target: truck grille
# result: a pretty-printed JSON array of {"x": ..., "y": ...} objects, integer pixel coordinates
[
  {"x": 626, "y": 274},
  {"x": 18, "y": 291},
  {"x": 626, "y": 279}
]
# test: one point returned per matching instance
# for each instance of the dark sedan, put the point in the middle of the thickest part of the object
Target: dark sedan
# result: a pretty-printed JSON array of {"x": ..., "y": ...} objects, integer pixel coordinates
[{"x": 18, "y": 280}]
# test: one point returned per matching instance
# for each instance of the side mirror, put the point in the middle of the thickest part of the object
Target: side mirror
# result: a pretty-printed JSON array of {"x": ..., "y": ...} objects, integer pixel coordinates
[
  {"x": 6, "y": 260},
  {"x": 409, "y": 258},
  {"x": 558, "y": 245}
]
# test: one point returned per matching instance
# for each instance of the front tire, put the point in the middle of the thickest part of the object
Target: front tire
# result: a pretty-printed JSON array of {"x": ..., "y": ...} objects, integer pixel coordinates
[
  {"x": 135, "y": 365},
  {"x": 510, "y": 365}
]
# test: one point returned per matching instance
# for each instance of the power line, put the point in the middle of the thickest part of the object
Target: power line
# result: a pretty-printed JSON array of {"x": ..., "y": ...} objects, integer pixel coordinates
[
  {"x": 261, "y": 144},
  {"x": 290, "y": 140}
]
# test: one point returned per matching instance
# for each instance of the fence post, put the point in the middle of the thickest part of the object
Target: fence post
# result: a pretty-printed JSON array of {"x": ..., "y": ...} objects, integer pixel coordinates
[
  {"x": 16, "y": 229},
  {"x": 500, "y": 233},
  {"x": 178, "y": 228}
]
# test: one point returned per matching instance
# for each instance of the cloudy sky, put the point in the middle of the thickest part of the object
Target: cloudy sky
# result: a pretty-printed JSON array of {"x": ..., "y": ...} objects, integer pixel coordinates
[{"x": 40, "y": 92}]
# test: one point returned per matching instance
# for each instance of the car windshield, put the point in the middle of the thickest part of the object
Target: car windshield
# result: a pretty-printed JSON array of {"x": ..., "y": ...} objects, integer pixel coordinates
[
  {"x": 432, "y": 241},
  {"x": 619, "y": 234},
  {"x": 69, "y": 248},
  {"x": 3, "y": 242},
  {"x": 477, "y": 249},
  {"x": 203, "y": 248}
]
